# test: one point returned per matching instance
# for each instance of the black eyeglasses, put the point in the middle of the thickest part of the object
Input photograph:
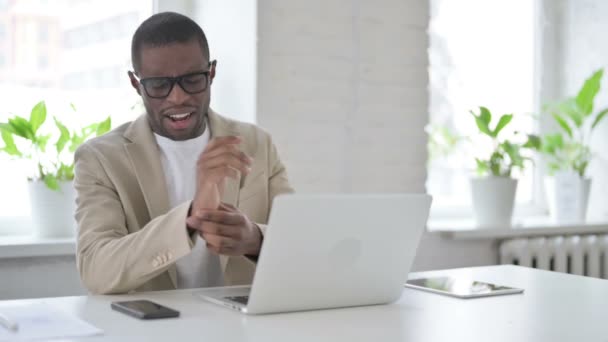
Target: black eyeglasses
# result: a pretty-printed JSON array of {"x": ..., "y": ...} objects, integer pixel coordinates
[{"x": 161, "y": 87}]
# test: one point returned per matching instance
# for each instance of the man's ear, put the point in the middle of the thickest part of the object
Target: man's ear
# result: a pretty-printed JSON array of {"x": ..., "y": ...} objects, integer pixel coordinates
[
  {"x": 212, "y": 71},
  {"x": 134, "y": 82}
]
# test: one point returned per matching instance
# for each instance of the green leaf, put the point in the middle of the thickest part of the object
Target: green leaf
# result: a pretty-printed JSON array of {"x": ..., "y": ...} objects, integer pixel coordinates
[
  {"x": 65, "y": 172},
  {"x": 22, "y": 128},
  {"x": 504, "y": 120},
  {"x": 582, "y": 168},
  {"x": 534, "y": 142},
  {"x": 552, "y": 143},
  {"x": 553, "y": 167},
  {"x": 483, "y": 120},
  {"x": 441, "y": 141},
  {"x": 586, "y": 95},
  {"x": 63, "y": 138},
  {"x": 7, "y": 127},
  {"x": 599, "y": 118},
  {"x": 69, "y": 172},
  {"x": 42, "y": 141},
  {"x": 482, "y": 166},
  {"x": 9, "y": 143},
  {"x": 563, "y": 124},
  {"x": 51, "y": 182},
  {"x": 485, "y": 115},
  {"x": 104, "y": 126},
  {"x": 496, "y": 161},
  {"x": 514, "y": 154},
  {"x": 571, "y": 110},
  {"x": 37, "y": 116},
  {"x": 76, "y": 141}
]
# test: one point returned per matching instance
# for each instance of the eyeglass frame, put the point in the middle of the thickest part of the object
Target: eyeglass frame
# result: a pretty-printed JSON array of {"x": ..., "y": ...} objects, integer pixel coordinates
[{"x": 175, "y": 80}]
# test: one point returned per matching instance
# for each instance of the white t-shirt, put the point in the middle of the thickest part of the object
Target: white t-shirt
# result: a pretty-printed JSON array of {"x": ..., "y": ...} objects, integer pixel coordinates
[{"x": 200, "y": 268}]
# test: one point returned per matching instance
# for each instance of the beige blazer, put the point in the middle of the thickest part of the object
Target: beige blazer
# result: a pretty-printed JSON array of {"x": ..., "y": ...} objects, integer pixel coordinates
[{"x": 128, "y": 237}]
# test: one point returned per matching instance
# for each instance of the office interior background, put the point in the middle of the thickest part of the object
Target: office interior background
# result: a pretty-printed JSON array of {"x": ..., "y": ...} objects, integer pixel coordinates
[{"x": 347, "y": 88}]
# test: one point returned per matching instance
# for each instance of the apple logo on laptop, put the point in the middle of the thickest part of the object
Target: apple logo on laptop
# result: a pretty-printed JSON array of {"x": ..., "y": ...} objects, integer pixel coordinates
[{"x": 345, "y": 254}]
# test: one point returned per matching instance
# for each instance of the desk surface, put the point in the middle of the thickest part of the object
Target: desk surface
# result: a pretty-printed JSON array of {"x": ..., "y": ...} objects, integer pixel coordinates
[{"x": 554, "y": 307}]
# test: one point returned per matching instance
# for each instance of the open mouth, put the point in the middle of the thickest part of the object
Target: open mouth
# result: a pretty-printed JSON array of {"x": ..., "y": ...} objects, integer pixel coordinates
[{"x": 180, "y": 117}]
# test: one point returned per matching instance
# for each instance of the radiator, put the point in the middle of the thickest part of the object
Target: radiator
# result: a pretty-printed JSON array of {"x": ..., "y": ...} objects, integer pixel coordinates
[{"x": 576, "y": 254}]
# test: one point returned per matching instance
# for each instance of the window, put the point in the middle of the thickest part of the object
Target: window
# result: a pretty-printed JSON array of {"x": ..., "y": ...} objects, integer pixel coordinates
[
  {"x": 108, "y": 29},
  {"x": 482, "y": 53},
  {"x": 43, "y": 33},
  {"x": 87, "y": 68},
  {"x": 43, "y": 62}
]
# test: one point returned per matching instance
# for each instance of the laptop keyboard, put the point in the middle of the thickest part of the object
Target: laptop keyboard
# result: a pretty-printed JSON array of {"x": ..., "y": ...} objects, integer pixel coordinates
[{"x": 239, "y": 299}]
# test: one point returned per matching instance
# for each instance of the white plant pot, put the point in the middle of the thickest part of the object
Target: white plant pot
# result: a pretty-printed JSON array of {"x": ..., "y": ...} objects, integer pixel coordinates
[
  {"x": 493, "y": 201},
  {"x": 567, "y": 197},
  {"x": 53, "y": 211}
]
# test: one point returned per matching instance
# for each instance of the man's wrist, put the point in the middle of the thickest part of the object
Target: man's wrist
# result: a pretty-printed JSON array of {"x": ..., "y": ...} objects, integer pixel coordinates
[
  {"x": 258, "y": 244},
  {"x": 190, "y": 231}
]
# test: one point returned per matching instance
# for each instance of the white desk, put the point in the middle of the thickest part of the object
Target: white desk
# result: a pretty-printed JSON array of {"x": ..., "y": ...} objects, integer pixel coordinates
[{"x": 554, "y": 307}]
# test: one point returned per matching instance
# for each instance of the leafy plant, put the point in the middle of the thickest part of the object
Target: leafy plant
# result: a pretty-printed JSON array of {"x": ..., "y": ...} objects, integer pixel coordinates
[
  {"x": 442, "y": 141},
  {"x": 505, "y": 155},
  {"x": 26, "y": 139},
  {"x": 569, "y": 150}
]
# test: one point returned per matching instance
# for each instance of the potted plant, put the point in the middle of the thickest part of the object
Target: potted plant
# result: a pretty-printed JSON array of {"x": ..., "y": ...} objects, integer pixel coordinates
[
  {"x": 52, "y": 169},
  {"x": 567, "y": 153},
  {"x": 493, "y": 190}
]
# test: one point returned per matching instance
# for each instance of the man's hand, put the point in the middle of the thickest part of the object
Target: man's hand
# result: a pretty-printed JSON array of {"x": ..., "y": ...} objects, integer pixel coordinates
[
  {"x": 227, "y": 231},
  {"x": 220, "y": 159}
]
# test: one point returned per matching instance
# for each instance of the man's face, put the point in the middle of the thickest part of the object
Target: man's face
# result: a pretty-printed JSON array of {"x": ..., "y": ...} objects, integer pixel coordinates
[{"x": 181, "y": 114}]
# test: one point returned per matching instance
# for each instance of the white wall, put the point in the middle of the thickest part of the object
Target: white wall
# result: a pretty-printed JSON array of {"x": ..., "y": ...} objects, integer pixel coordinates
[
  {"x": 342, "y": 87},
  {"x": 436, "y": 252},
  {"x": 39, "y": 277},
  {"x": 231, "y": 29}
]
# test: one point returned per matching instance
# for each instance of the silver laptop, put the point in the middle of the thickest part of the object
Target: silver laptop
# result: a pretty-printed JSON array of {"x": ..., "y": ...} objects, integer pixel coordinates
[{"x": 329, "y": 251}]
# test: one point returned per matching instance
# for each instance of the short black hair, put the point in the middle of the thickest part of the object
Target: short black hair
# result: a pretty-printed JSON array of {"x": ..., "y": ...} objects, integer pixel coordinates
[{"x": 163, "y": 29}]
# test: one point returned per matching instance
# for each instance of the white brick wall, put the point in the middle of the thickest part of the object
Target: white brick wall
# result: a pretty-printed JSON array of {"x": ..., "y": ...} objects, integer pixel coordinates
[{"x": 342, "y": 87}]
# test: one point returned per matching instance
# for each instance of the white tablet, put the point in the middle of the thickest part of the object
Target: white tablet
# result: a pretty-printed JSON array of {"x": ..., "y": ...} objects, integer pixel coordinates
[{"x": 460, "y": 287}]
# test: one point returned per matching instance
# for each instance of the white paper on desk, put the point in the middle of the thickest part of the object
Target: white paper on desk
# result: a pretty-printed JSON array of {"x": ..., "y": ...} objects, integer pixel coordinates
[{"x": 42, "y": 321}]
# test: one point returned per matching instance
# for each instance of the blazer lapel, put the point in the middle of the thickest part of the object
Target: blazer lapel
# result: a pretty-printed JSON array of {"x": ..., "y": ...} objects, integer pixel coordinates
[{"x": 144, "y": 155}]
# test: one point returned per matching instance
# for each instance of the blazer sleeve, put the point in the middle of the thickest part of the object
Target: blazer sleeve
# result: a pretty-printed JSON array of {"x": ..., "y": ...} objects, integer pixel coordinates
[
  {"x": 240, "y": 269},
  {"x": 278, "y": 182},
  {"x": 109, "y": 258}
]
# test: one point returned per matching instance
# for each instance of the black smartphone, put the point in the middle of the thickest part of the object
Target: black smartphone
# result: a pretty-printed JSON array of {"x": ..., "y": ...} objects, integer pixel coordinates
[{"x": 144, "y": 309}]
